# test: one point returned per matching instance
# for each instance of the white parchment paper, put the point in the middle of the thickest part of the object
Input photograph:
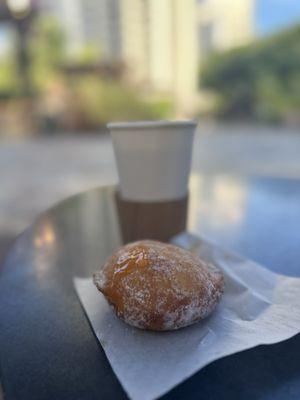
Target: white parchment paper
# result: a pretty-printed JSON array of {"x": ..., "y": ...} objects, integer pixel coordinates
[{"x": 258, "y": 307}]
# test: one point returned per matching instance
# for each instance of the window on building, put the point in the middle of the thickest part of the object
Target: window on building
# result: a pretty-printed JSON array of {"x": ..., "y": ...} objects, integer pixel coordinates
[{"x": 206, "y": 44}]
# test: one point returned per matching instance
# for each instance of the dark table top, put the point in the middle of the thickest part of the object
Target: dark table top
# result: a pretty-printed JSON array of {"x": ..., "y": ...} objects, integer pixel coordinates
[{"x": 47, "y": 348}]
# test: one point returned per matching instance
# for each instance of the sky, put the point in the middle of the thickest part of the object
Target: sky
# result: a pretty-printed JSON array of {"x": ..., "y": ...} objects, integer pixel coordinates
[{"x": 273, "y": 15}]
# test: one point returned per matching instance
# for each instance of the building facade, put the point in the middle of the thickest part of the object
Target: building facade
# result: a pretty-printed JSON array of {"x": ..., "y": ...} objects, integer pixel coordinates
[
  {"x": 88, "y": 22},
  {"x": 161, "y": 42},
  {"x": 159, "y": 46},
  {"x": 224, "y": 24}
]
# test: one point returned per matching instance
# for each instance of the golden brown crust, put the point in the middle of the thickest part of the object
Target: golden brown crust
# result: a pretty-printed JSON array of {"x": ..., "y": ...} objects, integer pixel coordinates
[{"x": 158, "y": 286}]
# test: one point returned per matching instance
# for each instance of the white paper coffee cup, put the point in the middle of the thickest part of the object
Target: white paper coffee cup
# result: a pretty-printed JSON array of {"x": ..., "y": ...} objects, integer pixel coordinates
[{"x": 153, "y": 158}]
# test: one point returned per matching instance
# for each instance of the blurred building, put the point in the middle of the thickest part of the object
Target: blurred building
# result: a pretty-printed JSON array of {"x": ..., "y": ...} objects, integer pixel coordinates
[
  {"x": 67, "y": 13},
  {"x": 165, "y": 42},
  {"x": 224, "y": 24},
  {"x": 162, "y": 43},
  {"x": 88, "y": 22},
  {"x": 159, "y": 44}
]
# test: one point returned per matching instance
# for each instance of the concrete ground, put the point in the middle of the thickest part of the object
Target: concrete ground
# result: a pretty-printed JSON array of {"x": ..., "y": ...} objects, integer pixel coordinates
[{"x": 37, "y": 172}]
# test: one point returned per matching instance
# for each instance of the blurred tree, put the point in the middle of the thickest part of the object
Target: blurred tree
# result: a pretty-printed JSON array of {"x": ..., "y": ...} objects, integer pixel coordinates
[
  {"x": 100, "y": 101},
  {"x": 259, "y": 81},
  {"x": 8, "y": 78},
  {"x": 90, "y": 54},
  {"x": 64, "y": 100},
  {"x": 47, "y": 50}
]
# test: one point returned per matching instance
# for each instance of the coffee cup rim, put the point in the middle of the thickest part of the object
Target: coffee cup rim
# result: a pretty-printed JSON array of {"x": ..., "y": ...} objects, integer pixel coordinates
[{"x": 151, "y": 124}]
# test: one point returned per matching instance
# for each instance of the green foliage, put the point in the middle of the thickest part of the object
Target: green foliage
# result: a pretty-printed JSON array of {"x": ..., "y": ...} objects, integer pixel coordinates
[
  {"x": 103, "y": 101},
  {"x": 260, "y": 81},
  {"x": 8, "y": 79},
  {"x": 90, "y": 100},
  {"x": 90, "y": 54},
  {"x": 47, "y": 50}
]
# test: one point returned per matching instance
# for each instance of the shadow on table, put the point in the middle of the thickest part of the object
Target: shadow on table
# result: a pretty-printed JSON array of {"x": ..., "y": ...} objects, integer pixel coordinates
[
  {"x": 268, "y": 372},
  {"x": 5, "y": 242}
]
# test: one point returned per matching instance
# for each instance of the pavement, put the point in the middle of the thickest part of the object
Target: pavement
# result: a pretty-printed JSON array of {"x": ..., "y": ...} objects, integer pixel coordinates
[{"x": 37, "y": 172}]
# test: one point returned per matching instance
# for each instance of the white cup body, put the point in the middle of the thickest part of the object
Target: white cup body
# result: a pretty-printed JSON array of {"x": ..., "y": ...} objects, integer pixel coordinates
[{"x": 153, "y": 158}]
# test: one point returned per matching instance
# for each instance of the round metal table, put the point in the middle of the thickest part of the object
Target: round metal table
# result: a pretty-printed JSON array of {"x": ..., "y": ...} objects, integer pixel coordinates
[{"x": 48, "y": 349}]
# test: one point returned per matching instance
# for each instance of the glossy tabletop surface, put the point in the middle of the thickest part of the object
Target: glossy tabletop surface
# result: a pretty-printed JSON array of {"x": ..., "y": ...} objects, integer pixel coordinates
[{"x": 47, "y": 348}]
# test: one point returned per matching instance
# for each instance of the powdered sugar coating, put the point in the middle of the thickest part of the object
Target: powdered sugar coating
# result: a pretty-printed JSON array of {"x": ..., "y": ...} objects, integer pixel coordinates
[{"x": 158, "y": 286}]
